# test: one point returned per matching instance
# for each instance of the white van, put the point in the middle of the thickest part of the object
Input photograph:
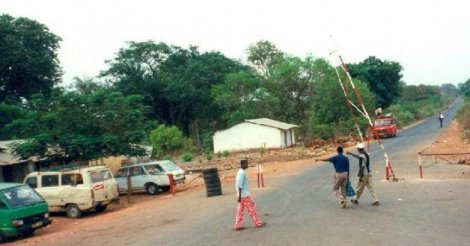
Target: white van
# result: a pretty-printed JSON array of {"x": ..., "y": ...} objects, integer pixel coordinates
[
  {"x": 75, "y": 190},
  {"x": 149, "y": 176}
]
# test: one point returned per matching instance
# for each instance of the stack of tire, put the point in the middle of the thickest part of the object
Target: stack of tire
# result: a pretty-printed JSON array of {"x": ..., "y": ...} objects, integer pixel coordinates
[{"x": 212, "y": 181}]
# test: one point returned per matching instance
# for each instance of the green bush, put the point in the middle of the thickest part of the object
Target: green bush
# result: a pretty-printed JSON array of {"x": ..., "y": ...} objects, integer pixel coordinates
[
  {"x": 209, "y": 156},
  {"x": 323, "y": 131},
  {"x": 225, "y": 153},
  {"x": 187, "y": 157},
  {"x": 463, "y": 117},
  {"x": 219, "y": 154},
  {"x": 166, "y": 140}
]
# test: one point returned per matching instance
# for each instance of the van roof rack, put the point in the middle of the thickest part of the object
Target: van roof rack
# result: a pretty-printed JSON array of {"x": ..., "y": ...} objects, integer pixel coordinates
[{"x": 62, "y": 168}]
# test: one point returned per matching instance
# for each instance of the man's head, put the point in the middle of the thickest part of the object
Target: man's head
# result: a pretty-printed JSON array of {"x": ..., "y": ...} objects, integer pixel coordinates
[
  {"x": 244, "y": 164},
  {"x": 360, "y": 147},
  {"x": 339, "y": 149}
]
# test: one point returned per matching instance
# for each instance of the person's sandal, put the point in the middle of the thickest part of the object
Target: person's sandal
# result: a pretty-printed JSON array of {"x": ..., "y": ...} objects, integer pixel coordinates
[
  {"x": 261, "y": 225},
  {"x": 376, "y": 203},
  {"x": 354, "y": 201}
]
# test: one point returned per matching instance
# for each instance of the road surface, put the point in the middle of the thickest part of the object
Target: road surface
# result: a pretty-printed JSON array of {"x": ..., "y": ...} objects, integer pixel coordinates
[{"x": 300, "y": 208}]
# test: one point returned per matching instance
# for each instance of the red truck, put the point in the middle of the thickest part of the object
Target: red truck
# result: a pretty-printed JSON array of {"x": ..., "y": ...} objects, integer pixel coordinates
[{"x": 385, "y": 126}]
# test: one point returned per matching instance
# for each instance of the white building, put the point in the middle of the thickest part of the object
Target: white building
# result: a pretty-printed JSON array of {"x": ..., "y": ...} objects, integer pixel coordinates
[{"x": 255, "y": 133}]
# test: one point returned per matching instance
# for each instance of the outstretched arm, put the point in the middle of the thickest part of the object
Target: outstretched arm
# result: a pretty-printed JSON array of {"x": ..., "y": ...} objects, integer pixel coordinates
[{"x": 352, "y": 154}]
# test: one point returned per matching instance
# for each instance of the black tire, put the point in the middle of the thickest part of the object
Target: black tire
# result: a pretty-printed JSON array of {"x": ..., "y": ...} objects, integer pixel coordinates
[
  {"x": 207, "y": 176},
  {"x": 73, "y": 211},
  {"x": 212, "y": 183},
  {"x": 210, "y": 170},
  {"x": 213, "y": 189},
  {"x": 214, "y": 193},
  {"x": 151, "y": 189},
  {"x": 100, "y": 208},
  {"x": 212, "y": 180}
]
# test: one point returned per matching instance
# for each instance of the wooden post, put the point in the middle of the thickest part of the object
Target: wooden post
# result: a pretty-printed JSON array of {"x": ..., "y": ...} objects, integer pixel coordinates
[{"x": 129, "y": 189}]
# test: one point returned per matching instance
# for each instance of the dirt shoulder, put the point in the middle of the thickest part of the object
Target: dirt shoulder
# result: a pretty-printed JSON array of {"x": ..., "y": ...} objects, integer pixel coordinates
[{"x": 450, "y": 146}]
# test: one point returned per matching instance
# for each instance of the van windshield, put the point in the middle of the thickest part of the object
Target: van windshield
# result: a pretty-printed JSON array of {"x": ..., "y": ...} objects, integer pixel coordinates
[
  {"x": 383, "y": 122},
  {"x": 170, "y": 166},
  {"x": 21, "y": 195}
]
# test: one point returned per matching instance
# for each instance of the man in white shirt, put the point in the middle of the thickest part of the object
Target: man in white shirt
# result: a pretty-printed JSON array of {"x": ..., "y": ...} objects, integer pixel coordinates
[{"x": 244, "y": 199}]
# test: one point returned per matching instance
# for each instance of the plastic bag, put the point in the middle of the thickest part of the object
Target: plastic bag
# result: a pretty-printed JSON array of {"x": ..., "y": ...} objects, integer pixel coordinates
[{"x": 349, "y": 189}]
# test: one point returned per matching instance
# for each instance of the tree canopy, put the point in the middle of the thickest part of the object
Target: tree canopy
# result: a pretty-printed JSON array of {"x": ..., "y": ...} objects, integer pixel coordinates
[
  {"x": 382, "y": 77},
  {"x": 81, "y": 126},
  {"x": 28, "y": 60}
]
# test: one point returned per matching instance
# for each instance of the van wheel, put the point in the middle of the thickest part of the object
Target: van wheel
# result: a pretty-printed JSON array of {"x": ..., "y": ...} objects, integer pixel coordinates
[
  {"x": 152, "y": 189},
  {"x": 100, "y": 208},
  {"x": 73, "y": 211}
]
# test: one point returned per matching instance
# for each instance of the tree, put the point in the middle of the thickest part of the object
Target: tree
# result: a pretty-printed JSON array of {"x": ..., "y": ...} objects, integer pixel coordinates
[
  {"x": 175, "y": 82},
  {"x": 85, "y": 85},
  {"x": 263, "y": 55},
  {"x": 329, "y": 105},
  {"x": 382, "y": 77},
  {"x": 28, "y": 60},
  {"x": 81, "y": 126},
  {"x": 465, "y": 88}
]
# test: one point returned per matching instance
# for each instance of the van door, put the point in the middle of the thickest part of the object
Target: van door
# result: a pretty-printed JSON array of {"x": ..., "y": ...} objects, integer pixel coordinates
[
  {"x": 48, "y": 189},
  {"x": 104, "y": 186}
]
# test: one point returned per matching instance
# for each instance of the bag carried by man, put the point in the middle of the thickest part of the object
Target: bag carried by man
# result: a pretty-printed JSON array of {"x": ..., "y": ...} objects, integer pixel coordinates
[{"x": 349, "y": 189}]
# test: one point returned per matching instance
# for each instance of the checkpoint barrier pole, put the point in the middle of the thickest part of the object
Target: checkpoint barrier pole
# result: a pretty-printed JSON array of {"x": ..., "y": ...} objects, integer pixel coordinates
[
  {"x": 259, "y": 171},
  {"x": 172, "y": 183},
  {"x": 387, "y": 171},
  {"x": 262, "y": 178},
  {"x": 420, "y": 167}
]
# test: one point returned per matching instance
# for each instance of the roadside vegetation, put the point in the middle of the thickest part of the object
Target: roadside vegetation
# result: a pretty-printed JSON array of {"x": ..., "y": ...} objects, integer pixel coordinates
[
  {"x": 176, "y": 98},
  {"x": 463, "y": 115}
]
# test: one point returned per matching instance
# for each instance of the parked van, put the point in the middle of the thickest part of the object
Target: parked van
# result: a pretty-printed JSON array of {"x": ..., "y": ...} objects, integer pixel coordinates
[
  {"x": 75, "y": 190},
  {"x": 22, "y": 210},
  {"x": 149, "y": 177}
]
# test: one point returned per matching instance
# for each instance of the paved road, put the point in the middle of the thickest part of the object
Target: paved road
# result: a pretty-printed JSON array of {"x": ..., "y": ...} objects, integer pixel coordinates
[{"x": 300, "y": 208}]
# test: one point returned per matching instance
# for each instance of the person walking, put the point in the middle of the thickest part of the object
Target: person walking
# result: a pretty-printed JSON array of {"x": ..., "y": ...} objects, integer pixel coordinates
[
  {"x": 244, "y": 199},
  {"x": 341, "y": 165},
  {"x": 441, "y": 118},
  {"x": 364, "y": 175}
]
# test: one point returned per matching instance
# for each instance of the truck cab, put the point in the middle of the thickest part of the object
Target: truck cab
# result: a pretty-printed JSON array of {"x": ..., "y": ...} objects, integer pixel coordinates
[
  {"x": 385, "y": 126},
  {"x": 22, "y": 210}
]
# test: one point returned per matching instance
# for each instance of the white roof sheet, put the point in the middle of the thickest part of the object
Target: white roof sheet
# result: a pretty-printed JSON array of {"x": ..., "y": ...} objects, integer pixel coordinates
[{"x": 272, "y": 123}]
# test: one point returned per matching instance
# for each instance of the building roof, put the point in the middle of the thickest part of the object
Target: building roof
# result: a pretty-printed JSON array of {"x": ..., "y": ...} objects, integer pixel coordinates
[
  {"x": 6, "y": 157},
  {"x": 272, "y": 123}
]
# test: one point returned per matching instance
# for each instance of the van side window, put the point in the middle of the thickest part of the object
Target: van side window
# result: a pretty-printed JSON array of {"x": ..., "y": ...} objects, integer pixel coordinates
[
  {"x": 32, "y": 182},
  {"x": 71, "y": 179},
  {"x": 50, "y": 180},
  {"x": 100, "y": 176}
]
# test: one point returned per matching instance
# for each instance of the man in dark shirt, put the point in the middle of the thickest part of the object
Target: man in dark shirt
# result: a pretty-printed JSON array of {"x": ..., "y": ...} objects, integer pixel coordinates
[
  {"x": 341, "y": 165},
  {"x": 365, "y": 178}
]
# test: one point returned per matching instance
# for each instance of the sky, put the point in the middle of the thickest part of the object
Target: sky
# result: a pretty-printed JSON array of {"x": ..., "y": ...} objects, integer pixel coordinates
[{"x": 430, "y": 39}]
